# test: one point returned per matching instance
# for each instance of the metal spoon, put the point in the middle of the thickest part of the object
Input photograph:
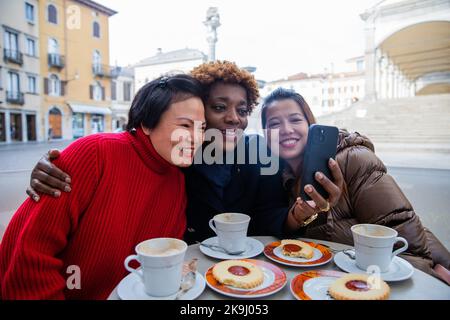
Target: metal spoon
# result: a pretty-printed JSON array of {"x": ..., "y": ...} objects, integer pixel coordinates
[
  {"x": 219, "y": 248},
  {"x": 186, "y": 284},
  {"x": 188, "y": 280}
]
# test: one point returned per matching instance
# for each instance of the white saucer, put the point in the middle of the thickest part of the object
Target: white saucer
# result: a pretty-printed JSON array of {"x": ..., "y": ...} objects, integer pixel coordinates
[
  {"x": 253, "y": 248},
  {"x": 132, "y": 288},
  {"x": 399, "y": 270}
]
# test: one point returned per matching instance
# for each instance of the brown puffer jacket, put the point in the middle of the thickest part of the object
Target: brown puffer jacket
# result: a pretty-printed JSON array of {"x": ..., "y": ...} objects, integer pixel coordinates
[{"x": 372, "y": 196}]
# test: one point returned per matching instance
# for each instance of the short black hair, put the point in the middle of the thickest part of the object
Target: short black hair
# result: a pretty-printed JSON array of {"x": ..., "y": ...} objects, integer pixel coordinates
[
  {"x": 283, "y": 94},
  {"x": 155, "y": 98}
]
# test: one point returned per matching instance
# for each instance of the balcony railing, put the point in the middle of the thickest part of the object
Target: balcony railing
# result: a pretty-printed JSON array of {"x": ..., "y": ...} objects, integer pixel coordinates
[
  {"x": 56, "y": 60},
  {"x": 102, "y": 70},
  {"x": 14, "y": 56},
  {"x": 15, "y": 97}
]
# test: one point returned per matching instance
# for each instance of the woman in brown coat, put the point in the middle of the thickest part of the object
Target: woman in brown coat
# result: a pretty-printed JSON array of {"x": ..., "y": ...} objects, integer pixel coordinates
[{"x": 369, "y": 194}]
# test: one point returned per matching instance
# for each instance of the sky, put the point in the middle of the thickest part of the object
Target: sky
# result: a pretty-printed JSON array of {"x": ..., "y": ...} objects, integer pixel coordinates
[{"x": 279, "y": 38}]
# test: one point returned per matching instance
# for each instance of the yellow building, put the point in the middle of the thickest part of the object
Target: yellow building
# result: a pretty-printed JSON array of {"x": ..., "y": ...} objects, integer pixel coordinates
[{"x": 76, "y": 77}]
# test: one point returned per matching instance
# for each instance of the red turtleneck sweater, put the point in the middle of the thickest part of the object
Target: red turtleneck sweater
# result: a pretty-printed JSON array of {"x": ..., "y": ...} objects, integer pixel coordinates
[{"x": 123, "y": 192}]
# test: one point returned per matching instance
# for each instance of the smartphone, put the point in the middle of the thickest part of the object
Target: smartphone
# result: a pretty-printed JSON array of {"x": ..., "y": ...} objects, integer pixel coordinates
[{"x": 320, "y": 147}]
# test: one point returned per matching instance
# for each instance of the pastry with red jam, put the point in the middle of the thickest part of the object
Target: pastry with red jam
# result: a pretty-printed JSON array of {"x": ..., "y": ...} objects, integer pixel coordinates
[
  {"x": 297, "y": 249},
  {"x": 238, "y": 273},
  {"x": 359, "y": 287}
]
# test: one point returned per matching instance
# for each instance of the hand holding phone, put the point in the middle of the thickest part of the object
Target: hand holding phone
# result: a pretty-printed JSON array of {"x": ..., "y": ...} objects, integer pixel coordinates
[{"x": 320, "y": 147}]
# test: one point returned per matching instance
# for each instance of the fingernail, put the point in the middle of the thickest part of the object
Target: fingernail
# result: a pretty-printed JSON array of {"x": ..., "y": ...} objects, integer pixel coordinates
[
  {"x": 319, "y": 175},
  {"x": 67, "y": 189},
  {"x": 36, "y": 198},
  {"x": 68, "y": 180},
  {"x": 308, "y": 188},
  {"x": 56, "y": 193},
  {"x": 332, "y": 162}
]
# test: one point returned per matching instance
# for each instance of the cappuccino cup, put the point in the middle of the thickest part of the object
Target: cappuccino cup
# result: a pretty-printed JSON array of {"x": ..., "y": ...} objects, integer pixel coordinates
[
  {"x": 231, "y": 229},
  {"x": 374, "y": 245},
  {"x": 161, "y": 261}
]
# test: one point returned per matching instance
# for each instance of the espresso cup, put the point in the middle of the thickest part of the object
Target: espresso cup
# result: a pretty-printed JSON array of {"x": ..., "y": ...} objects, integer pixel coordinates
[
  {"x": 161, "y": 261},
  {"x": 231, "y": 229},
  {"x": 374, "y": 245}
]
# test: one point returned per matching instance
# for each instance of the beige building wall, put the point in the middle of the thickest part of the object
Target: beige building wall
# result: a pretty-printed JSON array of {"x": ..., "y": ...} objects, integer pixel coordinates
[
  {"x": 144, "y": 74},
  {"x": 121, "y": 102},
  {"x": 19, "y": 102},
  {"x": 74, "y": 32}
]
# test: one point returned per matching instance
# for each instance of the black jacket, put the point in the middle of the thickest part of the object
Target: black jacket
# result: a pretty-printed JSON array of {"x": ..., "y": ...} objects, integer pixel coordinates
[{"x": 220, "y": 188}]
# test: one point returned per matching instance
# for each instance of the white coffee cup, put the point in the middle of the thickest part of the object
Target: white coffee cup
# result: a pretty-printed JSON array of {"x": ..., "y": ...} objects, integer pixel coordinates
[
  {"x": 231, "y": 229},
  {"x": 374, "y": 245},
  {"x": 161, "y": 262}
]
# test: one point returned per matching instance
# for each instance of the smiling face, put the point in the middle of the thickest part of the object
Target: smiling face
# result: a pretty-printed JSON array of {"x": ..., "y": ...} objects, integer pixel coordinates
[
  {"x": 179, "y": 132},
  {"x": 227, "y": 111},
  {"x": 286, "y": 123}
]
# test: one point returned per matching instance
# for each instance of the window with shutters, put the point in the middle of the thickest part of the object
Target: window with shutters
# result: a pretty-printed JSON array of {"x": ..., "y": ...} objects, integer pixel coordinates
[
  {"x": 97, "y": 92},
  {"x": 127, "y": 91},
  {"x": 54, "y": 86},
  {"x": 113, "y": 90}
]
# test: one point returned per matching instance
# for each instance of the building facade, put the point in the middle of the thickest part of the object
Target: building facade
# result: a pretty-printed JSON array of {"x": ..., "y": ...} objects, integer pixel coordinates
[
  {"x": 76, "y": 77},
  {"x": 19, "y": 72},
  {"x": 165, "y": 63},
  {"x": 407, "y": 48},
  {"x": 329, "y": 91},
  {"x": 122, "y": 92}
]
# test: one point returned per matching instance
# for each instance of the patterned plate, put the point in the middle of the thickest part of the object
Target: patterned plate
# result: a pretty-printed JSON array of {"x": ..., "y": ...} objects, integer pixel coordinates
[
  {"x": 313, "y": 285},
  {"x": 274, "y": 280},
  {"x": 322, "y": 255}
]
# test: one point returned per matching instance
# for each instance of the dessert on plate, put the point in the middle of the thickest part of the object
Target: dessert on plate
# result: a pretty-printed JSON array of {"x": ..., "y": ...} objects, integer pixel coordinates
[
  {"x": 238, "y": 273},
  {"x": 297, "y": 249},
  {"x": 354, "y": 286}
]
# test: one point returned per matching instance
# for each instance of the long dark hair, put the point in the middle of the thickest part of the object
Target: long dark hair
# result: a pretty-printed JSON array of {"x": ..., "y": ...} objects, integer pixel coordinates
[
  {"x": 155, "y": 98},
  {"x": 283, "y": 94}
]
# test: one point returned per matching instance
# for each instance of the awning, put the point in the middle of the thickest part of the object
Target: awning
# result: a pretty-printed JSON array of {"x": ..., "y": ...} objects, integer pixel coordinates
[{"x": 85, "y": 108}]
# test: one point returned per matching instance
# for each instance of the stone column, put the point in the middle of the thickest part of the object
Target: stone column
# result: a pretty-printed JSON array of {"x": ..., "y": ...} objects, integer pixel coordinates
[
  {"x": 24, "y": 127},
  {"x": 396, "y": 82},
  {"x": 379, "y": 61},
  {"x": 391, "y": 81},
  {"x": 370, "y": 59},
  {"x": 413, "y": 89},
  {"x": 384, "y": 77},
  {"x": 8, "y": 126},
  {"x": 212, "y": 23}
]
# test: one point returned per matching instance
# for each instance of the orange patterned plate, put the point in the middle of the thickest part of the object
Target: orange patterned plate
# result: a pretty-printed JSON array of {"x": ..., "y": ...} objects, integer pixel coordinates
[
  {"x": 313, "y": 285},
  {"x": 321, "y": 256},
  {"x": 274, "y": 280}
]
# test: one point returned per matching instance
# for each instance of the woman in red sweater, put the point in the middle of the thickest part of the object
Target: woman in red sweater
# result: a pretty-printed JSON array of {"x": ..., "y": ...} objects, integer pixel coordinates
[{"x": 91, "y": 230}]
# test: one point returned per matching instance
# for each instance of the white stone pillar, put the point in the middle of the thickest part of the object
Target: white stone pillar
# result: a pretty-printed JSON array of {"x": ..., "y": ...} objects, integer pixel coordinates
[
  {"x": 378, "y": 63},
  {"x": 391, "y": 81},
  {"x": 23, "y": 118},
  {"x": 370, "y": 59},
  {"x": 8, "y": 126},
  {"x": 413, "y": 89},
  {"x": 384, "y": 78}
]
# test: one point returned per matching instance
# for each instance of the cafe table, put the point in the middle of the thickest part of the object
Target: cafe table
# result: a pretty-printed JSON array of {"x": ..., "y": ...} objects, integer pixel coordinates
[{"x": 420, "y": 286}]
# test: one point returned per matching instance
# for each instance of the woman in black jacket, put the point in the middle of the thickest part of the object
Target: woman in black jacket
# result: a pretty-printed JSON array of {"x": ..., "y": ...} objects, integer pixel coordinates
[{"x": 236, "y": 185}]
